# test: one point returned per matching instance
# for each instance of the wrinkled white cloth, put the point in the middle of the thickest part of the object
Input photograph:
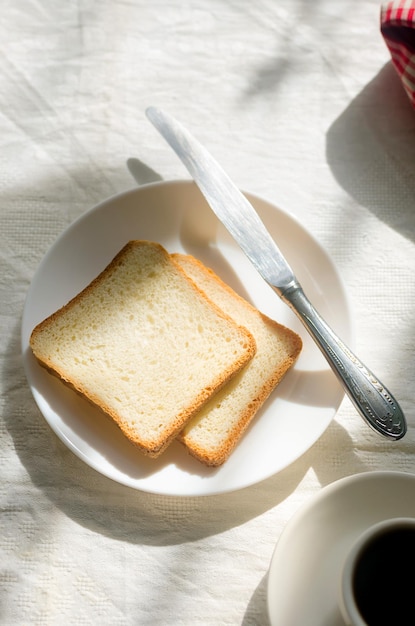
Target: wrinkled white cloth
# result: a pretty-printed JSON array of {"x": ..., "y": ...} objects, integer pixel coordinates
[{"x": 302, "y": 106}]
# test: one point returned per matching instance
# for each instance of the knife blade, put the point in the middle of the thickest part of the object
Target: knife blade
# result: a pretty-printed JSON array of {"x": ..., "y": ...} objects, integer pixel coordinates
[{"x": 372, "y": 399}]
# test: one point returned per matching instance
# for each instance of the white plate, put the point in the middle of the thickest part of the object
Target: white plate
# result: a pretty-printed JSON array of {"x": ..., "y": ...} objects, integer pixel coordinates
[
  {"x": 306, "y": 565},
  {"x": 176, "y": 215}
]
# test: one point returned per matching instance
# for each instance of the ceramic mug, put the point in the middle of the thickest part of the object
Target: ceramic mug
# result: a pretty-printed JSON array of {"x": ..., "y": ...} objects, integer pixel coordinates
[{"x": 377, "y": 580}]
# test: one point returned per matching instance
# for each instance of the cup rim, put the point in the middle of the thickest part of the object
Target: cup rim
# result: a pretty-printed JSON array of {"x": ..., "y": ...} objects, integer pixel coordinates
[{"x": 348, "y": 607}]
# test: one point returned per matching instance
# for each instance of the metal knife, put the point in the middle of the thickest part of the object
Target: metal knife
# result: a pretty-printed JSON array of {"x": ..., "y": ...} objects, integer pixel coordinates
[{"x": 370, "y": 397}]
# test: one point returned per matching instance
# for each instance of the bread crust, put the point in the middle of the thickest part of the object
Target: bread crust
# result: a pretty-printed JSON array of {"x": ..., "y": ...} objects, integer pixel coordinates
[
  {"x": 152, "y": 446},
  {"x": 266, "y": 380}
]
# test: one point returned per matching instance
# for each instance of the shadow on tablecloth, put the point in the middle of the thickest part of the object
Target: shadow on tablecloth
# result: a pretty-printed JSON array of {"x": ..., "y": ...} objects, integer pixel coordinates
[{"x": 371, "y": 151}]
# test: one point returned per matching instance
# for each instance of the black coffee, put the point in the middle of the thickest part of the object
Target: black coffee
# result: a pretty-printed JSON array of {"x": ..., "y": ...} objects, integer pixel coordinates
[{"x": 384, "y": 579}]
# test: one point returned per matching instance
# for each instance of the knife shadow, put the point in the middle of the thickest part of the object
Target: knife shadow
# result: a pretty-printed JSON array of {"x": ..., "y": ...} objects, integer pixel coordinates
[{"x": 142, "y": 173}]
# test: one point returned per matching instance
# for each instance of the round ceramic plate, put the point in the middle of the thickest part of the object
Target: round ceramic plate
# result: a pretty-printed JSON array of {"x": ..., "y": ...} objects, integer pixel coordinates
[
  {"x": 306, "y": 566},
  {"x": 176, "y": 215}
]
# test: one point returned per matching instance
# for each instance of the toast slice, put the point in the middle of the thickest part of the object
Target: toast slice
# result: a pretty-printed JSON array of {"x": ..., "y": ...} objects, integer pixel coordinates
[
  {"x": 214, "y": 432},
  {"x": 144, "y": 344}
]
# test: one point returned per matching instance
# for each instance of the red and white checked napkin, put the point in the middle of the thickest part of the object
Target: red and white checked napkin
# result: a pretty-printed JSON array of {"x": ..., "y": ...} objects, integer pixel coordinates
[{"x": 397, "y": 25}]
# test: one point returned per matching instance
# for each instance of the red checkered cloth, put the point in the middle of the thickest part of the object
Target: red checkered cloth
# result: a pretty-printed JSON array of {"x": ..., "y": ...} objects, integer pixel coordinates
[{"x": 397, "y": 25}]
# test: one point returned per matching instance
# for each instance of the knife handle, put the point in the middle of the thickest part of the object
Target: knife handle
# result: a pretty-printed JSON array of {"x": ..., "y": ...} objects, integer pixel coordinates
[{"x": 371, "y": 398}]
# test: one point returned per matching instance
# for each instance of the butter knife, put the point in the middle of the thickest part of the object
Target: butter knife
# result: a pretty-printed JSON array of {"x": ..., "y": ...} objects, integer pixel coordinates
[{"x": 371, "y": 398}]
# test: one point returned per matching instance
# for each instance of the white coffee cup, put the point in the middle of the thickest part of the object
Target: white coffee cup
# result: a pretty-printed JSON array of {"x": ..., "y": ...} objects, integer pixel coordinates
[{"x": 378, "y": 577}]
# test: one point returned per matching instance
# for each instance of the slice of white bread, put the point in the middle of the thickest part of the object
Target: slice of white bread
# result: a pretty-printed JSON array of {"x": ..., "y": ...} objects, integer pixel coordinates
[
  {"x": 214, "y": 432},
  {"x": 144, "y": 344}
]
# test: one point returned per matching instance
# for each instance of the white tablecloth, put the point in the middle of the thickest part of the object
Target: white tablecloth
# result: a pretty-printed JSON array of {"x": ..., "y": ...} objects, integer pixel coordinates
[{"x": 301, "y": 105}]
